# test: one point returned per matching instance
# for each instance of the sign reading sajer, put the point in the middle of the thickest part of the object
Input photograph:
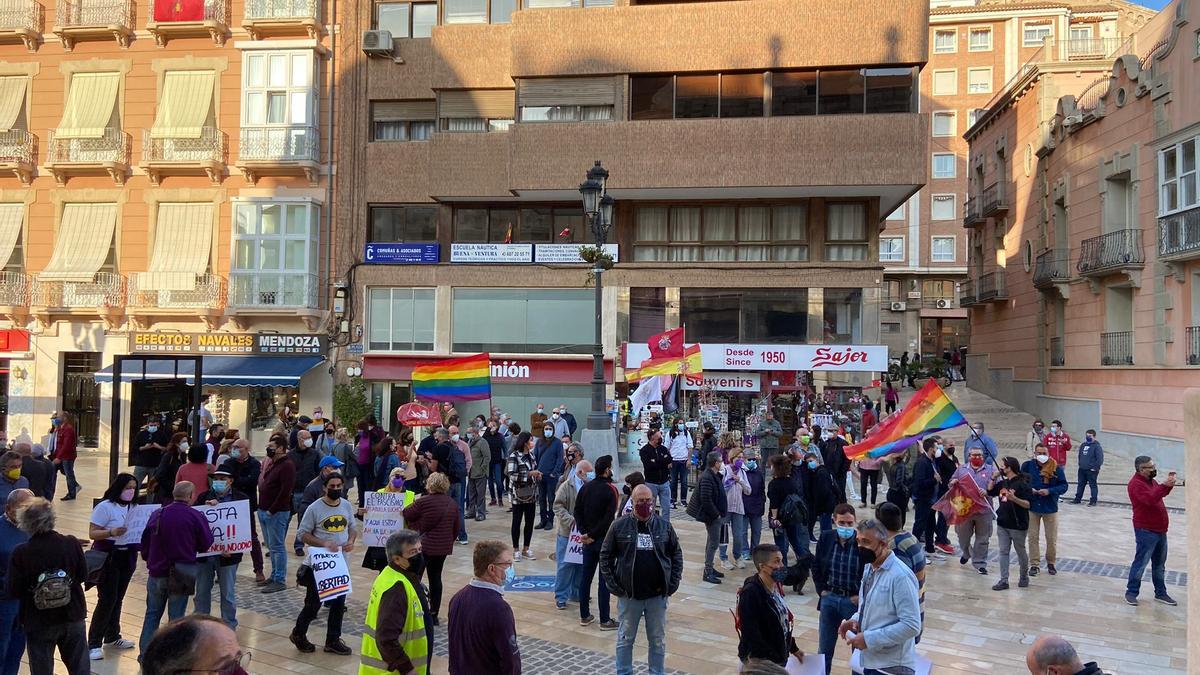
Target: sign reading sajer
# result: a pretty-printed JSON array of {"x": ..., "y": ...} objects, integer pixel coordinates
[{"x": 221, "y": 344}]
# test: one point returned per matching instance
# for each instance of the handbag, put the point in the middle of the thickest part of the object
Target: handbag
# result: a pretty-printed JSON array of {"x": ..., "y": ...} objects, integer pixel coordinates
[
  {"x": 181, "y": 579},
  {"x": 96, "y": 560}
]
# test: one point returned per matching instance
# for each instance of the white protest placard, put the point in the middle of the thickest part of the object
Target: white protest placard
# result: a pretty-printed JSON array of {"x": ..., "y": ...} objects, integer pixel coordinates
[
  {"x": 330, "y": 571},
  {"x": 825, "y": 421},
  {"x": 135, "y": 523},
  {"x": 383, "y": 517},
  {"x": 574, "y": 553},
  {"x": 230, "y": 525}
]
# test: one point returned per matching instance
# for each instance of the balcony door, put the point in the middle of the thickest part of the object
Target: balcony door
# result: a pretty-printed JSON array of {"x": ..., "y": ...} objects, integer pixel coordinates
[{"x": 279, "y": 104}]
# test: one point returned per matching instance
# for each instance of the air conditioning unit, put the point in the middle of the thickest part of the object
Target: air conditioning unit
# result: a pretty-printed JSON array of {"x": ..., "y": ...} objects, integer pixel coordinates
[
  {"x": 943, "y": 304},
  {"x": 377, "y": 43},
  {"x": 899, "y": 306}
]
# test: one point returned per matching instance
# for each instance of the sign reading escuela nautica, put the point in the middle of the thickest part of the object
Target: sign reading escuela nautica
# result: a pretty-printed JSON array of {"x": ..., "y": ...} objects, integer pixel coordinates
[{"x": 231, "y": 344}]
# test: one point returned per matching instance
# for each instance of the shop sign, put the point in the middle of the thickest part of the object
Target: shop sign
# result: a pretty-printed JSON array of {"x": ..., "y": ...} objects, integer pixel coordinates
[
  {"x": 232, "y": 344},
  {"x": 723, "y": 382},
  {"x": 14, "y": 340},
  {"x": 491, "y": 253},
  {"x": 534, "y": 371},
  {"x": 401, "y": 254},
  {"x": 566, "y": 253},
  {"x": 843, "y": 358}
]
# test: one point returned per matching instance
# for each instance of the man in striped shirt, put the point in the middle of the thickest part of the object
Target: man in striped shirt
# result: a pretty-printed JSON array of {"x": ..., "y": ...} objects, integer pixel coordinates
[
  {"x": 907, "y": 548},
  {"x": 837, "y": 574}
]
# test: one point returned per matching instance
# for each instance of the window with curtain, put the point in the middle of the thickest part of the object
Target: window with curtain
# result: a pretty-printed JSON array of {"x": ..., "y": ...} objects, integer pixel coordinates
[
  {"x": 400, "y": 319},
  {"x": 937, "y": 289},
  {"x": 979, "y": 80},
  {"x": 891, "y": 249},
  {"x": 275, "y": 259},
  {"x": 891, "y": 291},
  {"x": 943, "y": 208},
  {"x": 1178, "y": 179},
  {"x": 846, "y": 232},
  {"x": 398, "y": 130},
  {"x": 647, "y": 313},
  {"x": 540, "y": 225},
  {"x": 945, "y": 82},
  {"x": 721, "y": 233},
  {"x": 567, "y": 113},
  {"x": 523, "y": 320},
  {"x": 1036, "y": 33},
  {"x": 944, "y": 124},
  {"x": 945, "y": 41},
  {"x": 464, "y": 11},
  {"x": 277, "y": 88},
  {"x": 843, "y": 316},
  {"x": 980, "y": 40},
  {"x": 411, "y": 224},
  {"x": 941, "y": 249}
]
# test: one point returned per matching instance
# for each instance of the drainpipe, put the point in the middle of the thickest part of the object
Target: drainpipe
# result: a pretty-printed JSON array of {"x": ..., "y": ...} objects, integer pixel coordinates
[{"x": 329, "y": 150}]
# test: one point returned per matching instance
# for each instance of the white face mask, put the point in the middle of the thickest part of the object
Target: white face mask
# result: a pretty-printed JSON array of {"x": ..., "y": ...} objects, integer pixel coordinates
[
  {"x": 937, "y": 452},
  {"x": 307, "y": 443},
  {"x": 1042, "y": 459},
  {"x": 555, "y": 415},
  {"x": 454, "y": 437},
  {"x": 183, "y": 447}
]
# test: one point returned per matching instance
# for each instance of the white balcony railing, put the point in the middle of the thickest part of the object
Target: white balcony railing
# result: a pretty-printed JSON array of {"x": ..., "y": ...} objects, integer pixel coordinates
[
  {"x": 282, "y": 10},
  {"x": 208, "y": 293},
  {"x": 95, "y": 13},
  {"x": 20, "y": 15},
  {"x": 112, "y": 147},
  {"x": 209, "y": 147},
  {"x": 106, "y": 289},
  {"x": 274, "y": 289},
  {"x": 14, "y": 289},
  {"x": 279, "y": 144},
  {"x": 16, "y": 147}
]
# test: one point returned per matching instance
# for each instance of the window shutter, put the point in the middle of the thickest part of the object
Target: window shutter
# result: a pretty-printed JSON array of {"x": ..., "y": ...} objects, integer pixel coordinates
[
  {"x": 403, "y": 111},
  {"x": 553, "y": 91},
  {"x": 485, "y": 103}
]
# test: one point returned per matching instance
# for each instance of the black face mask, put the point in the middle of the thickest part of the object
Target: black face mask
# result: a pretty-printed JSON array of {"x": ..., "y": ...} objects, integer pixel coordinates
[
  {"x": 1151, "y": 474},
  {"x": 416, "y": 564},
  {"x": 334, "y": 494},
  {"x": 866, "y": 556}
]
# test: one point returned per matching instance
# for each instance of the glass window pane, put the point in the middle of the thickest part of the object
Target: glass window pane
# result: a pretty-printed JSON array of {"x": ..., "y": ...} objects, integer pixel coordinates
[
  {"x": 846, "y": 222},
  {"x": 647, "y": 313},
  {"x": 269, "y": 220},
  {"x": 422, "y": 319},
  {"x": 889, "y": 90},
  {"x": 268, "y": 254},
  {"x": 742, "y": 95},
  {"x": 298, "y": 107},
  {"x": 379, "y": 319},
  {"x": 243, "y": 254},
  {"x": 256, "y": 107},
  {"x": 420, "y": 131},
  {"x": 297, "y": 219},
  {"x": 246, "y": 220},
  {"x": 276, "y": 106},
  {"x": 651, "y": 98},
  {"x": 711, "y": 315},
  {"x": 843, "y": 315},
  {"x": 497, "y": 319},
  {"x": 278, "y": 73},
  {"x": 572, "y": 222},
  {"x": 420, "y": 223},
  {"x": 501, "y": 223},
  {"x": 789, "y": 253},
  {"x": 424, "y": 18},
  {"x": 402, "y": 318},
  {"x": 470, "y": 225},
  {"x": 720, "y": 224},
  {"x": 841, "y": 92},
  {"x": 943, "y": 124},
  {"x": 768, "y": 316},
  {"x": 652, "y": 223},
  {"x": 502, "y": 10},
  {"x": 301, "y": 70},
  {"x": 685, "y": 224},
  {"x": 683, "y": 253},
  {"x": 465, "y": 11},
  {"x": 754, "y": 223},
  {"x": 256, "y": 70},
  {"x": 293, "y": 254},
  {"x": 789, "y": 223},
  {"x": 536, "y": 225},
  {"x": 696, "y": 96},
  {"x": 793, "y": 93},
  {"x": 393, "y": 17}
]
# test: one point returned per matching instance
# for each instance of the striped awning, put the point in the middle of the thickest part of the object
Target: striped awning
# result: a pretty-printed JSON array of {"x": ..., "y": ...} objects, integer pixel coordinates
[
  {"x": 185, "y": 105},
  {"x": 90, "y": 103},
  {"x": 182, "y": 246},
  {"x": 83, "y": 241}
]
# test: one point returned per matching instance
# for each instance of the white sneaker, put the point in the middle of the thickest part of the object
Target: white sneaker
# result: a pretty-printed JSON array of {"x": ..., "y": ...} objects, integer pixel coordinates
[
  {"x": 121, "y": 643},
  {"x": 726, "y": 564},
  {"x": 529, "y": 555},
  {"x": 96, "y": 654},
  {"x": 739, "y": 563}
]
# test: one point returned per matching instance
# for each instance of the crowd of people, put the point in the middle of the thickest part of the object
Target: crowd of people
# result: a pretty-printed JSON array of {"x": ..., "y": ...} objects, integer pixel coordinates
[{"x": 867, "y": 567}]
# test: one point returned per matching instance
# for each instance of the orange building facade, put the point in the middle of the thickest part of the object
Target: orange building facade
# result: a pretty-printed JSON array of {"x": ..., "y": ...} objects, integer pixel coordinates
[{"x": 1084, "y": 287}]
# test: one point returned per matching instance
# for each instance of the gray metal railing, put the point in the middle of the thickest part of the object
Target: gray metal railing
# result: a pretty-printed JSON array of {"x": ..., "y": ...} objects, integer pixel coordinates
[
  {"x": 274, "y": 289},
  {"x": 260, "y": 10},
  {"x": 1193, "y": 345},
  {"x": 113, "y": 146},
  {"x": 17, "y": 146},
  {"x": 81, "y": 13},
  {"x": 1090, "y": 48},
  {"x": 106, "y": 289},
  {"x": 288, "y": 144},
  {"x": 1115, "y": 250},
  {"x": 208, "y": 293},
  {"x": 973, "y": 211},
  {"x": 1057, "y": 357},
  {"x": 1179, "y": 234},
  {"x": 209, "y": 147},
  {"x": 20, "y": 15},
  {"x": 992, "y": 286},
  {"x": 1052, "y": 265},
  {"x": 1116, "y": 349},
  {"x": 994, "y": 197},
  {"x": 966, "y": 293}
]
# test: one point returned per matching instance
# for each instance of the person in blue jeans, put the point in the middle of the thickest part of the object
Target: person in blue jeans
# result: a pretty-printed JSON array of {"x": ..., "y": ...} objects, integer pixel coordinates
[
  {"x": 222, "y": 567},
  {"x": 566, "y": 580},
  {"x": 12, "y": 638},
  {"x": 656, "y": 467},
  {"x": 1150, "y": 523},
  {"x": 645, "y": 541},
  {"x": 595, "y": 508},
  {"x": 787, "y": 528},
  {"x": 837, "y": 574},
  {"x": 754, "y": 504},
  {"x": 550, "y": 462},
  {"x": 275, "y": 509}
]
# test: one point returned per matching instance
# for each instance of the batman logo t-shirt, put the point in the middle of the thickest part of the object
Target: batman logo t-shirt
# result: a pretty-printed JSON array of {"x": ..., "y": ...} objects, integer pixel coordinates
[{"x": 331, "y": 524}]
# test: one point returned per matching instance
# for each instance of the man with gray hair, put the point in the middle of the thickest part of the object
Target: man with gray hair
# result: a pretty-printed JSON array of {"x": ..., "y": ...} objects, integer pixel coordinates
[
  {"x": 711, "y": 508},
  {"x": 194, "y": 644},
  {"x": 888, "y": 619},
  {"x": 12, "y": 638},
  {"x": 10, "y": 473},
  {"x": 398, "y": 639},
  {"x": 1150, "y": 522},
  {"x": 1052, "y": 655},
  {"x": 38, "y": 470}
]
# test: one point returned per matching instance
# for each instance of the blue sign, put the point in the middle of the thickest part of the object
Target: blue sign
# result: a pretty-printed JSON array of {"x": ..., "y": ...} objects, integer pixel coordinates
[
  {"x": 402, "y": 254},
  {"x": 355, "y": 348},
  {"x": 536, "y": 584}
]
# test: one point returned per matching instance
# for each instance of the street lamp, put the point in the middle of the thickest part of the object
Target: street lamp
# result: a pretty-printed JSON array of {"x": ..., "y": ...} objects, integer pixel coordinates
[{"x": 598, "y": 210}]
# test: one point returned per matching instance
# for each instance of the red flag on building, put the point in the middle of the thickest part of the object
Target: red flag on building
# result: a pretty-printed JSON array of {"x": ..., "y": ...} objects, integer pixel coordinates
[
  {"x": 668, "y": 345},
  {"x": 179, "y": 10},
  {"x": 508, "y": 234},
  {"x": 963, "y": 500}
]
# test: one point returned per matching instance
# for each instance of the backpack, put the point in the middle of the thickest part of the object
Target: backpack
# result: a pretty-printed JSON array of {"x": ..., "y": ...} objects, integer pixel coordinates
[
  {"x": 457, "y": 470},
  {"x": 794, "y": 511},
  {"x": 52, "y": 591}
]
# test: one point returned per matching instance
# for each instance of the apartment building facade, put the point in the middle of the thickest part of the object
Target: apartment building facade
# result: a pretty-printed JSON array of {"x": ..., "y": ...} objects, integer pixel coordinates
[
  {"x": 1085, "y": 290},
  {"x": 753, "y": 148},
  {"x": 165, "y": 190},
  {"x": 975, "y": 47}
]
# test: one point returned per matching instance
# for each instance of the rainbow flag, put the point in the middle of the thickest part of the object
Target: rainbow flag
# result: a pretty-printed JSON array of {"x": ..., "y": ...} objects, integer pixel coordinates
[
  {"x": 465, "y": 379},
  {"x": 668, "y": 365},
  {"x": 929, "y": 412}
]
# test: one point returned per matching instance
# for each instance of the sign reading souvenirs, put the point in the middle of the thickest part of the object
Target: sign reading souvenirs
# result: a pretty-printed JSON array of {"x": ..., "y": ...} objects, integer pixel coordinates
[
  {"x": 402, "y": 254},
  {"x": 220, "y": 344}
]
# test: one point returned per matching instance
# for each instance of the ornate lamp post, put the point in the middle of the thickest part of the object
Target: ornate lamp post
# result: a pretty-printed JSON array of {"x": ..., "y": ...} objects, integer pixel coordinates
[{"x": 598, "y": 210}]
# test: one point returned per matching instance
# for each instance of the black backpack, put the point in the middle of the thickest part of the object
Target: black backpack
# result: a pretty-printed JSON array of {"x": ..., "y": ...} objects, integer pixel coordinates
[
  {"x": 457, "y": 470},
  {"x": 794, "y": 511}
]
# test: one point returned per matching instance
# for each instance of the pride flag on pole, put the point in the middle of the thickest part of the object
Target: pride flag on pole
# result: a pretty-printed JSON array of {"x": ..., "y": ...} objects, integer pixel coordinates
[
  {"x": 929, "y": 412},
  {"x": 465, "y": 379}
]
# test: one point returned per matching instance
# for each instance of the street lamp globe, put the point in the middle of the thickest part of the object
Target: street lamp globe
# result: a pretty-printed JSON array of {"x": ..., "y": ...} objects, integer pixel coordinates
[
  {"x": 590, "y": 189},
  {"x": 605, "y": 219},
  {"x": 599, "y": 174}
]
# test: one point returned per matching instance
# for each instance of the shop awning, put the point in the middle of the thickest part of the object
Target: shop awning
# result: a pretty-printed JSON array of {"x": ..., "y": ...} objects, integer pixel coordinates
[
  {"x": 12, "y": 217},
  {"x": 82, "y": 244},
  {"x": 222, "y": 371}
]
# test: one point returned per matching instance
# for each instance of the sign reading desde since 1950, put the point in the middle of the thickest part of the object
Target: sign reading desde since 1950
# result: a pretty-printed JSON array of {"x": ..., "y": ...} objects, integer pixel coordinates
[
  {"x": 491, "y": 253},
  {"x": 745, "y": 357},
  {"x": 221, "y": 344}
]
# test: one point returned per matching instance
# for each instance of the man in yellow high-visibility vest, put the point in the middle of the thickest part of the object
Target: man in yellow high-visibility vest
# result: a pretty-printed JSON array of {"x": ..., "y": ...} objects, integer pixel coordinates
[{"x": 397, "y": 639}]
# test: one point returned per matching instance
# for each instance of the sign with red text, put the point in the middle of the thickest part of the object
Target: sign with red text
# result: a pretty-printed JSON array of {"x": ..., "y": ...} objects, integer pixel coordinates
[
  {"x": 723, "y": 381},
  {"x": 574, "y": 554},
  {"x": 843, "y": 358},
  {"x": 330, "y": 572},
  {"x": 384, "y": 516},
  {"x": 230, "y": 526}
]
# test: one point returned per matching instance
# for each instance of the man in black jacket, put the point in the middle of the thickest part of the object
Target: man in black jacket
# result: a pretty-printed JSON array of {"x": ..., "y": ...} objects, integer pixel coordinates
[
  {"x": 833, "y": 453},
  {"x": 924, "y": 492},
  {"x": 766, "y": 621},
  {"x": 656, "y": 466},
  {"x": 595, "y": 508},
  {"x": 711, "y": 508},
  {"x": 646, "y": 542}
]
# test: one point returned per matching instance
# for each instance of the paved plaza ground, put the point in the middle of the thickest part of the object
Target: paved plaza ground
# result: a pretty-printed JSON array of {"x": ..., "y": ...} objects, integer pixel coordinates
[{"x": 969, "y": 628}]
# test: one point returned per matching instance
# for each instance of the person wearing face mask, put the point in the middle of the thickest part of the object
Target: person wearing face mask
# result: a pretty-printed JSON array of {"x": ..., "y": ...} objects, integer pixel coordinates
[
  {"x": 224, "y": 566},
  {"x": 106, "y": 525},
  {"x": 572, "y": 424},
  {"x": 435, "y": 517},
  {"x": 338, "y": 445},
  {"x": 538, "y": 418},
  {"x": 833, "y": 452},
  {"x": 1052, "y": 655},
  {"x": 567, "y": 575},
  {"x": 836, "y": 573},
  {"x": 1091, "y": 458},
  {"x": 275, "y": 508},
  {"x": 680, "y": 448},
  {"x": 11, "y": 478},
  {"x": 482, "y": 635},
  {"x": 1048, "y": 482},
  {"x": 1012, "y": 517},
  {"x": 978, "y": 439},
  {"x": 1150, "y": 523},
  {"x": 496, "y": 455},
  {"x": 755, "y": 505},
  {"x": 768, "y": 433},
  {"x": 245, "y": 472},
  {"x": 522, "y": 470},
  {"x": 595, "y": 509},
  {"x": 149, "y": 445},
  {"x": 12, "y": 637},
  {"x": 316, "y": 487},
  {"x": 1058, "y": 443},
  {"x": 477, "y": 476},
  {"x": 330, "y": 524},
  {"x": 641, "y": 561},
  {"x": 385, "y": 460},
  {"x": 398, "y": 639},
  {"x": 1035, "y": 435},
  {"x": 924, "y": 493},
  {"x": 710, "y": 506},
  {"x": 764, "y": 617},
  {"x": 307, "y": 460},
  {"x": 819, "y": 492},
  {"x": 656, "y": 467},
  {"x": 737, "y": 486},
  {"x": 376, "y": 557},
  {"x": 979, "y": 525},
  {"x": 549, "y": 454},
  {"x": 888, "y": 619},
  {"x": 561, "y": 428}
]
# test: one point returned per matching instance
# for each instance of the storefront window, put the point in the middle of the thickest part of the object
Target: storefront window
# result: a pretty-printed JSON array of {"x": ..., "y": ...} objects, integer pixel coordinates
[
  {"x": 400, "y": 319},
  {"x": 647, "y": 313},
  {"x": 523, "y": 321},
  {"x": 710, "y": 315},
  {"x": 843, "y": 316},
  {"x": 766, "y": 315}
]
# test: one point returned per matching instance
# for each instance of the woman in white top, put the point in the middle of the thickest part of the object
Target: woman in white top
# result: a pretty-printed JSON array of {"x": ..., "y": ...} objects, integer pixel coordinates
[
  {"x": 680, "y": 446},
  {"x": 736, "y": 484},
  {"x": 105, "y": 528}
]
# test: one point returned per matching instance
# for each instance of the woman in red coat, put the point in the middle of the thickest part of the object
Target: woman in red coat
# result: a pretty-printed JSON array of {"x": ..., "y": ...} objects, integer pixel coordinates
[
  {"x": 65, "y": 453},
  {"x": 435, "y": 516}
]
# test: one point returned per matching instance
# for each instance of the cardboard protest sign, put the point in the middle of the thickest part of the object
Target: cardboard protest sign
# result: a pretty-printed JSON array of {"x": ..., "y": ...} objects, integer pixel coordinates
[
  {"x": 135, "y": 523},
  {"x": 330, "y": 571},
  {"x": 230, "y": 525},
  {"x": 383, "y": 517}
]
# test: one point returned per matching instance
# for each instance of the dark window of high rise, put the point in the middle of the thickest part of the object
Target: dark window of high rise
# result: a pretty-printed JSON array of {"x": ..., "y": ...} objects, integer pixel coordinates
[{"x": 652, "y": 97}]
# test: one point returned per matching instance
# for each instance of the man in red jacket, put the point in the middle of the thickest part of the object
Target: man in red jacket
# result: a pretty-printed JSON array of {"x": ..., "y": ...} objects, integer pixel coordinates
[
  {"x": 275, "y": 508},
  {"x": 1058, "y": 443},
  {"x": 65, "y": 453},
  {"x": 1150, "y": 523}
]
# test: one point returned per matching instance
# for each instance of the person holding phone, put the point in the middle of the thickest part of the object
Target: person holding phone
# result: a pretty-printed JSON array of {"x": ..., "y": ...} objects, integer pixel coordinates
[{"x": 1150, "y": 522}]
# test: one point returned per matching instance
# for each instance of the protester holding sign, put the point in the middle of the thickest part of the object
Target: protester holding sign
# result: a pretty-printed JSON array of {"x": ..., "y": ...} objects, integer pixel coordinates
[
  {"x": 108, "y": 522},
  {"x": 569, "y": 551},
  {"x": 435, "y": 517},
  {"x": 328, "y": 524},
  {"x": 223, "y": 565},
  {"x": 382, "y": 516}
]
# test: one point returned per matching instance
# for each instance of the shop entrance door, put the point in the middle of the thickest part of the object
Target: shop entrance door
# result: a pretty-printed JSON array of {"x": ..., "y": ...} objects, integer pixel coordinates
[
  {"x": 401, "y": 394},
  {"x": 941, "y": 335},
  {"x": 81, "y": 394}
]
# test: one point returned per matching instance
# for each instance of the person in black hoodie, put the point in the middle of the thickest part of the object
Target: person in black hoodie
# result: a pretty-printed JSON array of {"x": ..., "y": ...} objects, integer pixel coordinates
[
  {"x": 833, "y": 452},
  {"x": 946, "y": 465},
  {"x": 710, "y": 507},
  {"x": 595, "y": 509},
  {"x": 820, "y": 493},
  {"x": 495, "y": 441},
  {"x": 764, "y": 619},
  {"x": 924, "y": 492},
  {"x": 656, "y": 466}
]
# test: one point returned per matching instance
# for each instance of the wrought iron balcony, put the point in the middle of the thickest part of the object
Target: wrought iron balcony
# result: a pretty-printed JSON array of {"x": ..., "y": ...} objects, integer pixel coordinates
[
  {"x": 14, "y": 289},
  {"x": 966, "y": 293},
  {"x": 21, "y": 21},
  {"x": 1112, "y": 252},
  {"x": 995, "y": 199},
  {"x": 76, "y": 20},
  {"x": 166, "y": 21},
  {"x": 106, "y": 289},
  {"x": 1193, "y": 345},
  {"x": 1053, "y": 266},
  {"x": 992, "y": 287},
  {"x": 281, "y": 17},
  {"x": 973, "y": 212},
  {"x": 1116, "y": 349},
  {"x": 71, "y": 156},
  {"x": 279, "y": 150},
  {"x": 1179, "y": 235},
  {"x": 281, "y": 290},
  {"x": 17, "y": 153},
  {"x": 184, "y": 156},
  {"x": 1057, "y": 356},
  {"x": 209, "y": 292}
]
